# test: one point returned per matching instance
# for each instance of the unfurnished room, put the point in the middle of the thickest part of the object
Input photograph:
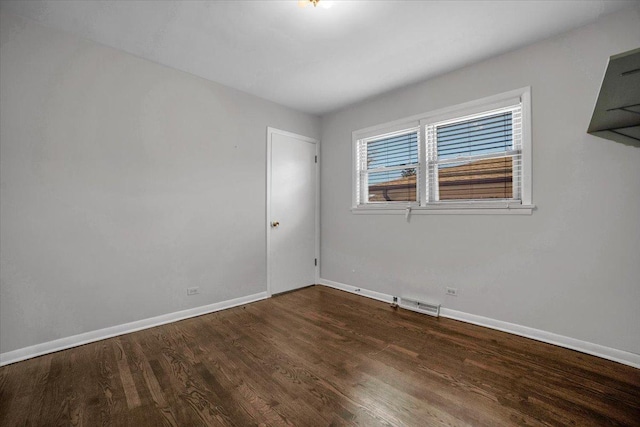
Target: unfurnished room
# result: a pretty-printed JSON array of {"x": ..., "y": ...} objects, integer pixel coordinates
[{"x": 320, "y": 213}]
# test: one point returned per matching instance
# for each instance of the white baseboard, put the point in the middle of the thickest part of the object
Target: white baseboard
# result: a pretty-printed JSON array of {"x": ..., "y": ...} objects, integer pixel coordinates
[
  {"x": 620, "y": 356},
  {"x": 100, "y": 334},
  {"x": 608, "y": 353},
  {"x": 355, "y": 290}
]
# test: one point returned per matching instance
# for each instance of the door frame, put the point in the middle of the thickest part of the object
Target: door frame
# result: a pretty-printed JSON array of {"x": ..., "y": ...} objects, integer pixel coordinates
[{"x": 270, "y": 132}]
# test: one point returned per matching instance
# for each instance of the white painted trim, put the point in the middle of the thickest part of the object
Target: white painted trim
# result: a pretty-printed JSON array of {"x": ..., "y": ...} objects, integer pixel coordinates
[
  {"x": 446, "y": 210},
  {"x": 527, "y": 154},
  {"x": 470, "y": 107},
  {"x": 270, "y": 132},
  {"x": 620, "y": 356},
  {"x": 355, "y": 290},
  {"x": 478, "y": 106},
  {"x": 268, "y": 207},
  {"x": 126, "y": 328},
  {"x": 317, "y": 273}
]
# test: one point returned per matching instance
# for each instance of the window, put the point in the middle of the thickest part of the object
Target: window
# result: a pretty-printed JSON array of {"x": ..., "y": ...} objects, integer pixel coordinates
[
  {"x": 469, "y": 157},
  {"x": 388, "y": 167},
  {"x": 475, "y": 158}
]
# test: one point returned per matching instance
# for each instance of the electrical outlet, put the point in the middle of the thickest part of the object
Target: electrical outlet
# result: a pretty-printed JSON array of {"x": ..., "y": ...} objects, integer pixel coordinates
[
  {"x": 193, "y": 291},
  {"x": 452, "y": 292}
]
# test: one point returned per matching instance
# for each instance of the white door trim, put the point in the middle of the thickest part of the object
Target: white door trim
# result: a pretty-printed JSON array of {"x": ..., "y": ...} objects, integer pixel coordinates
[{"x": 270, "y": 132}]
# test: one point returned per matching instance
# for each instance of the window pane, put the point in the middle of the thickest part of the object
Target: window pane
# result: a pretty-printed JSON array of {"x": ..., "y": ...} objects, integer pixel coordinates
[
  {"x": 484, "y": 135},
  {"x": 394, "y": 186},
  {"x": 397, "y": 150},
  {"x": 480, "y": 179}
]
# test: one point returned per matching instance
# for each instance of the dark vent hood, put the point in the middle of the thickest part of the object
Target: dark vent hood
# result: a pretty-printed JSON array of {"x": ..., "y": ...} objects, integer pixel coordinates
[{"x": 617, "y": 113}]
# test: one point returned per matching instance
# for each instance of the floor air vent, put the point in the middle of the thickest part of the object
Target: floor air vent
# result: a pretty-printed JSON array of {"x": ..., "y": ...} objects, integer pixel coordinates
[{"x": 420, "y": 306}]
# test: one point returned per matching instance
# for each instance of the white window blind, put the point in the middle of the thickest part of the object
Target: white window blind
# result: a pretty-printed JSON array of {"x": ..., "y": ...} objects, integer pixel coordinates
[
  {"x": 466, "y": 158},
  {"x": 388, "y": 168},
  {"x": 475, "y": 158}
]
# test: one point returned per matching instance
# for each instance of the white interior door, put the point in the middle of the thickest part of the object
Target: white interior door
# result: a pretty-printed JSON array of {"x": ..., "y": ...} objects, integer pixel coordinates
[{"x": 291, "y": 211}]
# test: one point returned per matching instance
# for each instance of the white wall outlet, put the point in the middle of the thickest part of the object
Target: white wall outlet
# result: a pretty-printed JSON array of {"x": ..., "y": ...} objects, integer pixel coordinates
[
  {"x": 452, "y": 292},
  {"x": 193, "y": 291}
]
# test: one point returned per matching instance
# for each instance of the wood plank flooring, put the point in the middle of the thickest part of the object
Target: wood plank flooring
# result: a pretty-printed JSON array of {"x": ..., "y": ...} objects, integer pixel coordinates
[{"x": 318, "y": 357}]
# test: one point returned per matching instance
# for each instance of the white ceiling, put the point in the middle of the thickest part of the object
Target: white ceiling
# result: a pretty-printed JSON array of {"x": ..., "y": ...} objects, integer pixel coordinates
[{"x": 314, "y": 59}]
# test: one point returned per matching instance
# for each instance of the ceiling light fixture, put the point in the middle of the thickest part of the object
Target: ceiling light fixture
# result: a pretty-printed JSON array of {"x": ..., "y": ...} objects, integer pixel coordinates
[{"x": 326, "y": 4}]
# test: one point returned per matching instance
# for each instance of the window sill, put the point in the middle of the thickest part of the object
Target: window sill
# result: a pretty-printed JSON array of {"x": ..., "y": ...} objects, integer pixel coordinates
[{"x": 449, "y": 209}]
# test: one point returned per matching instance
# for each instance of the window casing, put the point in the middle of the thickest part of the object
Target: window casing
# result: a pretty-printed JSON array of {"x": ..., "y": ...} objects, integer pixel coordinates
[
  {"x": 388, "y": 166},
  {"x": 463, "y": 159}
]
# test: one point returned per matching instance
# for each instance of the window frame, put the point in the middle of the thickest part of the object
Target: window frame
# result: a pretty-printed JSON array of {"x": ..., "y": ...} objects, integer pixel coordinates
[
  {"x": 362, "y": 177},
  {"x": 421, "y": 121}
]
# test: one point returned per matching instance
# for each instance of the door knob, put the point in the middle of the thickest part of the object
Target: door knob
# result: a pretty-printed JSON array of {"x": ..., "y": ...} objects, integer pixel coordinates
[{"x": 275, "y": 224}]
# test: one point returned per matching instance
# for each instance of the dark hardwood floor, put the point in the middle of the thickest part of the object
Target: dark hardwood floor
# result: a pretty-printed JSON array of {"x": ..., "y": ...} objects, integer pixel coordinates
[{"x": 318, "y": 357}]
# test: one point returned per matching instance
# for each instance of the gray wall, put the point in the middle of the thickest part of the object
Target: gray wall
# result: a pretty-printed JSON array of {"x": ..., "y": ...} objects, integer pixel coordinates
[
  {"x": 123, "y": 182},
  {"x": 573, "y": 267}
]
